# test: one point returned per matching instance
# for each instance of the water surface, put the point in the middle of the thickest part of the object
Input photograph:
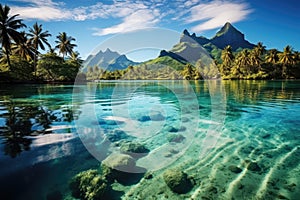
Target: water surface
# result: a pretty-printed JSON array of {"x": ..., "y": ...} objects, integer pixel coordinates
[{"x": 51, "y": 132}]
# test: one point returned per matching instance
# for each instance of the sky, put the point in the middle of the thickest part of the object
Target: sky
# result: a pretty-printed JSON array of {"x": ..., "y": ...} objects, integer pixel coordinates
[{"x": 98, "y": 24}]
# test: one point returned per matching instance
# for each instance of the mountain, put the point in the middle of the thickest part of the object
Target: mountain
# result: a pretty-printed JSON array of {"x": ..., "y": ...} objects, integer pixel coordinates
[
  {"x": 227, "y": 35},
  {"x": 109, "y": 60},
  {"x": 191, "y": 47}
]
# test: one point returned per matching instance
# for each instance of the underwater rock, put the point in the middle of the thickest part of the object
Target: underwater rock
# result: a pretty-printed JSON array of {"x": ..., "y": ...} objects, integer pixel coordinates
[
  {"x": 117, "y": 135},
  {"x": 122, "y": 162},
  {"x": 185, "y": 119},
  {"x": 88, "y": 185},
  {"x": 177, "y": 181},
  {"x": 100, "y": 122},
  {"x": 134, "y": 148},
  {"x": 291, "y": 187},
  {"x": 144, "y": 118},
  {"x": 253, "y": 166},
  {"x": 266, "y": 136},
  {"x": 113, "y": 122},
  {"x": 157, "y": 117},
  {"x": 121, "y": 167},
  {"x": 177, "y": 138},
  {"x": 171, "y": 129},
  {"x": 235, "y": 169},
  {"x": 182, "y": 128},
  {"x": 148, "y": 175}
]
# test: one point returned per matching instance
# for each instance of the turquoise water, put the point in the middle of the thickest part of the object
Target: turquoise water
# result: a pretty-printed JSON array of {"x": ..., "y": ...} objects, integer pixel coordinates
[{"x": 49, "y": 133}]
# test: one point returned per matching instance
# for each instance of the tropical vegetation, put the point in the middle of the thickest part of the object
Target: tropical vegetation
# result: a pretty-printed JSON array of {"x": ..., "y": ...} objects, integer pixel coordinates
[
  {"x": 20, "y": 56},
  {"x": 21, "y": 59},
  {"x": 256, "y": 63}
]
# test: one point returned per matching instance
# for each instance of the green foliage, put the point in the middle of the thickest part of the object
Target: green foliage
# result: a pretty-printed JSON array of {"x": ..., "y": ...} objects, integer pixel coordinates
[
  {"x": 256, "y": 63},
  {"x": 53, "y": 68},
  {"x": 20, "y": 69},
  {"x": 166, "y": 61},
  {"x": 9, "y": 26},
  {"x": 64, "y": 44},
  {"x": 19, "y": 56}
]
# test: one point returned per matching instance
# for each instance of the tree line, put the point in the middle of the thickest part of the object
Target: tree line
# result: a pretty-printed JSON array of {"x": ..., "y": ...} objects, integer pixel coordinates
[
  {"x": 20, "y": 56},
  {"x": 256, "y": 63},
  {"x": 260, "y": 63}
]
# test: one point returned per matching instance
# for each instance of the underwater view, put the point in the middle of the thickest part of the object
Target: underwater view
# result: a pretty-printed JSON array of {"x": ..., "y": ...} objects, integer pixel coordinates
[{"x": 150, "y": 140}]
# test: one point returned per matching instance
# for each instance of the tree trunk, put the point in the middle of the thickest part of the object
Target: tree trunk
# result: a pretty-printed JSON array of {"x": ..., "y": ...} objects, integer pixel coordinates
[
  {"x": 34, "y": 63},
  {"x": 8, "y": 60}
]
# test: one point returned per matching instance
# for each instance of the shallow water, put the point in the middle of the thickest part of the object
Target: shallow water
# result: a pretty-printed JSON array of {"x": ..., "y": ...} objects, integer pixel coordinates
[{"x": 49, "y": 133}]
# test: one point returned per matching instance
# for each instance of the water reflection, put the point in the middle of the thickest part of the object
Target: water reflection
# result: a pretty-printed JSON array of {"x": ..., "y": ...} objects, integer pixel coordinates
[
  {"x": 21, "y": 121},
  {"x": 30, "y": 110},
  {"x": 254, "y": 92}
]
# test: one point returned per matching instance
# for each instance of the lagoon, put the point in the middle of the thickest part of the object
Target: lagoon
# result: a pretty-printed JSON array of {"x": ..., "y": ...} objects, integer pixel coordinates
[{"x": 236, "y": 139}]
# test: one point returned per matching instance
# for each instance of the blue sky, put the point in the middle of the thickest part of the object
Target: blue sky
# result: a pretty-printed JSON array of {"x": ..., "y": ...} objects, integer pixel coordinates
[{"x": 276, "y": 23}]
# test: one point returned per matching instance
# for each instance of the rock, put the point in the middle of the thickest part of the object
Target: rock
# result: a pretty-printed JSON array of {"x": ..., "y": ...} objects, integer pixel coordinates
[
  {"x": 144, "y": 119},
  {"x": 182, "y": 128},
  {"x": 185, "y": 119},
  {"x": 148, "y": 175},
  {"x": 113, "y": 122},
  {"x": 117, "y": 135},
  {"x": 266, "y": 136},
  {"x": 177, "y": 138},
  {"x": 177, "y": 181},
  {"x": 157, "y": 117},
  {"x": 134, "y": 148},
  {"x": 100, "y": 122},
  {"x": 88, "y": 185},
  {"x": 121, "y": 167},
  {"x": 235, "y": 169},
  {"x": 121, "y": 162},
  {"x": 291, "y": 187},
  {"x": 171, "y": 129},
  {"x": 253, "y": 166}
]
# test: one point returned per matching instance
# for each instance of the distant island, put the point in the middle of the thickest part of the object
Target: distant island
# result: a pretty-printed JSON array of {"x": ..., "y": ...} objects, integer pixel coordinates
[
  {"x": 231, "y": 57},
  {"x": 227, "y": 55}
]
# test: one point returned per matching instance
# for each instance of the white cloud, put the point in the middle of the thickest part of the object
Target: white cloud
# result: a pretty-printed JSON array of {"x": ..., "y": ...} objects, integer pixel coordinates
[
  {"x": 137, "y": 20},
  {"x": 216, "y": 14},
  {"x": 46, "y": 10},
  {"x": 45, "y": 13},
  {"x": 137, "y": 14}
]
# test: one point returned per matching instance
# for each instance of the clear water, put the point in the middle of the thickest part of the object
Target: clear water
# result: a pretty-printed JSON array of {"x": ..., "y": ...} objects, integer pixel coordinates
[{"x": 49, "y": 133}]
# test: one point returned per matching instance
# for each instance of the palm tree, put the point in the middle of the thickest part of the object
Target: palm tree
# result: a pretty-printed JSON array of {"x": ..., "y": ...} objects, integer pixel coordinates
[
  {"x": 286, "y": 58},
  {"x": 297, "y": 56},
  {"x": 8, "y": 30},
  {"x": 188, "y": 72},
  {"x": 260, "y": 49},
  {"x": 243, "y": 62},
  {"x": 227, "y": 58},
  {"x": 272, "y": 56},
  {"x": 38, "y": 38},
  {"x": 75, "y": 57},
  {"x": 64, "y": 44},
  {"x": 255, "y": 60},
  {"x": 24, "y": 49}
]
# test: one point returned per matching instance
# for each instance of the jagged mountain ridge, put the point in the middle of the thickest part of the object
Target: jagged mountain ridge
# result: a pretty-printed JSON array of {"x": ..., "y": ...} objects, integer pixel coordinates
[
  {"x": 189, "y": 49},
  {"x": 227, "y": 35},
  {"x": 108, "y": 60}
]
